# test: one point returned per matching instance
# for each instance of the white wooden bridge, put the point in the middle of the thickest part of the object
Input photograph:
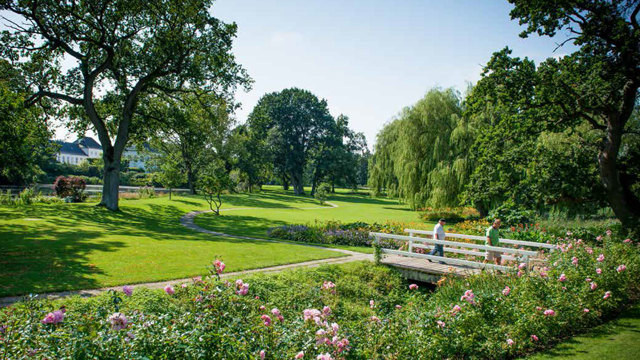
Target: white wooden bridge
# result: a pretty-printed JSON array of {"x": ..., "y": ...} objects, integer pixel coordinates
[{"x": 428, "y": 268}]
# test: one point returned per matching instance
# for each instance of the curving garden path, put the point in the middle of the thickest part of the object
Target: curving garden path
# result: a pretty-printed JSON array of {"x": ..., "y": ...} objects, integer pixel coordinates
[{"x": 187, "y": 221}]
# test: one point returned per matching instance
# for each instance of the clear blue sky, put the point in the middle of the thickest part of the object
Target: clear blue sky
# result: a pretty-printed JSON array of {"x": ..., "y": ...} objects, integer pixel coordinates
[{"x": 369, "y": 59}]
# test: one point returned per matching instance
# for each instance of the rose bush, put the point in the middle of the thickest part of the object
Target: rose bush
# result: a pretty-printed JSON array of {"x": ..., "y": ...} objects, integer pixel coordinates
[{"x": 349, "y": 311}]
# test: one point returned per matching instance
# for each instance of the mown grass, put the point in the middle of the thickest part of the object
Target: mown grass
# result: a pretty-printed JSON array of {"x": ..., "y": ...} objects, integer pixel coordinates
[
  {"x": 277, "y": 208},
  {"x": 618, "y": 339},
  {"x": 52, "y": 247},
  {"x": 78, "y": 246}
]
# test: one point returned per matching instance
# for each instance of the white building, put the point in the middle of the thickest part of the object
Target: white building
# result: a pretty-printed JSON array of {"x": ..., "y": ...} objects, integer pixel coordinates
[
  {"x": 87, "y": 148},
  {"x": 78, "y": 151}
]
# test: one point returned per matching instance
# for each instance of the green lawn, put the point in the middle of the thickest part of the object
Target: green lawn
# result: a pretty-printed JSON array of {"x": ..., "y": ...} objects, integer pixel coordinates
[
  {"x": 278, "y": 209},
  {"x": 618, "y": 339},
  {"x": 79, "y": 246}
]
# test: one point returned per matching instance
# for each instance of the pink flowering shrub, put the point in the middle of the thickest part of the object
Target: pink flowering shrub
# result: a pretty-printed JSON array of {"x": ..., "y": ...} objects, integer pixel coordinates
[{"x": 325, "y": 313}]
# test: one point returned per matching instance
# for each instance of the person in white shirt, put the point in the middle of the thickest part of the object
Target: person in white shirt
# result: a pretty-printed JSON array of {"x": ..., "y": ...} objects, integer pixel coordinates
[{"x": 438, "y": 234}]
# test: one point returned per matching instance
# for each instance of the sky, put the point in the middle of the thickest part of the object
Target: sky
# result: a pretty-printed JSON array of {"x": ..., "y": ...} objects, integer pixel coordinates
[{"x": 369, "y": 58}]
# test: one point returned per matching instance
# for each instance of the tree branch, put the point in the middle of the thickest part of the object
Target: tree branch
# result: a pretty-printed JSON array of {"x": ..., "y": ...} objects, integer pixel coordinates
[
  {"x": 634, "y": 14},
  {"x": 53, "y": 95}
]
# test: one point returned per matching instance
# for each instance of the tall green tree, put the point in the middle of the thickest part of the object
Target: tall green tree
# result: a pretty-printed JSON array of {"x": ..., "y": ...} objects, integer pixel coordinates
[
  {"x": 122, "y": 52},
  {"x": 421, "y": 155},
  {"x": 597, "y": 84},
  {"x": 293, "y": 122},
  {"x": 188, "y": 125},
  {"x": 382, "y": 174},
  {"x": 24, "y": 134}
]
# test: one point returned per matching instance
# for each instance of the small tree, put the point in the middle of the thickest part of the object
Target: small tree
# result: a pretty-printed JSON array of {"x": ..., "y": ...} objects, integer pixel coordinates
[
  {"x": 171, "y": 174},
  {"x": 213, "y": 180},
  {"x": 322, "y": 192}
]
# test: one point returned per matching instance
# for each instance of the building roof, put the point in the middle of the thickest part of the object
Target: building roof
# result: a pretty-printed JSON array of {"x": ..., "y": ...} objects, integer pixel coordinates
[
  {"x": 67, "y": 148},
  {"x": 88, "y": 142}
]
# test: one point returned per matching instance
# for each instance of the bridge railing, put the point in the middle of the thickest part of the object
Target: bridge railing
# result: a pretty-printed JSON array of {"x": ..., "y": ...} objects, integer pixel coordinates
[
  {"x": 457, "y": 247},
  {"x": 532, "y": 244}
]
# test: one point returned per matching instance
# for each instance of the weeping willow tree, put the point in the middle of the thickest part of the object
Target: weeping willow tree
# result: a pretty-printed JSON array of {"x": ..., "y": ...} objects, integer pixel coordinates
[
  {"x": 382, "y": 178},
  {"x": 422, "y": 156}
]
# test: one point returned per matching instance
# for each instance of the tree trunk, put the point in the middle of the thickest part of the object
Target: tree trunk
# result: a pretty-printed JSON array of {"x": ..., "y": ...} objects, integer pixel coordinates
[
  {"x": 626, "y": 207},
  {"x": 110, "y": 180},
  {"x": 296, "y": 181},
  {"x": 313, "y": 187},
  {"x": 285, "y": 183},
  {"x": 191, "y": 180},
  {"x": 169, "y": 193}
]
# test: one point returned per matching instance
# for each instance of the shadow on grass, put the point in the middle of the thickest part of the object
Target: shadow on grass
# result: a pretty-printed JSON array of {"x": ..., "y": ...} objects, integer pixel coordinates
[{"x": 31, "y": 262}]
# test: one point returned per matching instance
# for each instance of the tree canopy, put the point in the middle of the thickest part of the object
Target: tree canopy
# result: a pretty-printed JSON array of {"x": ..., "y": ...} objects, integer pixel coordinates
[{"x": 121, "y": 52}]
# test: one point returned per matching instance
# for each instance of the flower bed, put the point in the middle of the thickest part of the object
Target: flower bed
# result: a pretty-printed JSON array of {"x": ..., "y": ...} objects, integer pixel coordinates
[{"x": 351, "y": 311}]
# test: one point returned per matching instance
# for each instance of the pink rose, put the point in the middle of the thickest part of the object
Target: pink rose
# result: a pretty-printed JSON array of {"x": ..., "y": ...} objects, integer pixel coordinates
[
  {"x": 53, "y": 317},
  {"x": 593, "y": 286},
  {"x": 627, "y": 241},
  {"x": 585, "y": 310},
  {"x": 562, "y": 278},
  {"x": 413, "y": 287},
  {"x": 598, "y": 271},
  {"x": 127, "y": 290},
  {"x": 118, "y": 321},
  {"x": 262, "y": 354},
  {"x": 506, "y": 291},
  {"x": 510, "y": 342},
  {"x": 219, "y": 266},
  {"x": 300, "y": 355},
  {"x": 621, "y": 268},
  {"x": 607, "y": 295},
  {"x": 534, "y": 338},
  {"x": 169, "y": 290},
  {"x": 549, "y": 312},
  {"x": 600, "y": 258}
]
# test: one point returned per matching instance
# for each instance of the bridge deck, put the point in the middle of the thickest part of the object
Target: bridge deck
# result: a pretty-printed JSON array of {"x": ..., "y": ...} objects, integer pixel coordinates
[{"x": 423, "y": 270}]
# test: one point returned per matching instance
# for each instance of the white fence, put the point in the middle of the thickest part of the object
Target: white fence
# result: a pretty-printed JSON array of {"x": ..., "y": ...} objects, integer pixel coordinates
[{"x": 465, "y": 248}]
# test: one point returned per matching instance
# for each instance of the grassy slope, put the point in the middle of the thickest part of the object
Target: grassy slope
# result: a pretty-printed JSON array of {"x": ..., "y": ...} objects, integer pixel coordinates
[
  {"x": 78, "y": 246},
  {"x": 278, "y": 209},
  {"x": 618, "y": 339}
]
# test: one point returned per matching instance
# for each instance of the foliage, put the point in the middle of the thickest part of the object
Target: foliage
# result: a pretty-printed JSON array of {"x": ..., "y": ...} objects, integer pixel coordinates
[
  {"x": 171, "y": 175},
  {"x": 212, "y": 182},
  {"x": 146, "y": 192},
  {"x": 190, "y": 129},
  {"x": 449, "y": 214},
  {"x": 422, "y": 155},
  {"x": 71, "y": 187},
  {"x": 322, "y": 193},
  {"x": 24, "y": 135},
  {"x": 117, "y": 56},
  {"x": 292, "y": 132},
  {"x": 370, "y": 306},
  {"x": 598, "y": 84}
]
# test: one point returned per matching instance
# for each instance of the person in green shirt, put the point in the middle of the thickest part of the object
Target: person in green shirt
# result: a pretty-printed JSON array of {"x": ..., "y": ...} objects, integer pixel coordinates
[{"x": 493, "y": 239}]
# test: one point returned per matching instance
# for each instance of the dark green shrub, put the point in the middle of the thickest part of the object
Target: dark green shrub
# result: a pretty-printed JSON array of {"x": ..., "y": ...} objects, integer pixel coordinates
[{"x": 322, "y": 192}]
